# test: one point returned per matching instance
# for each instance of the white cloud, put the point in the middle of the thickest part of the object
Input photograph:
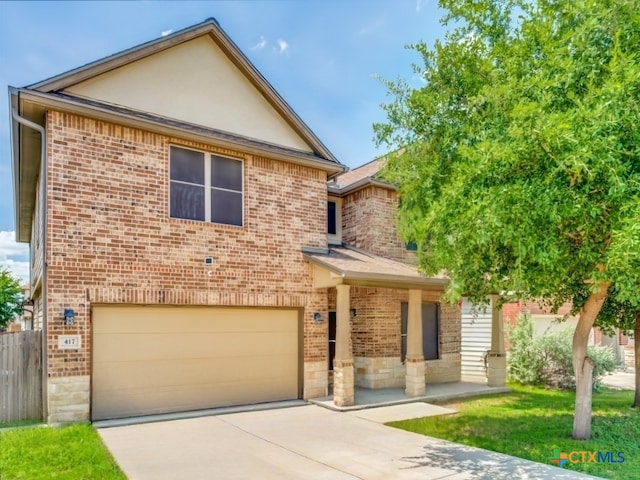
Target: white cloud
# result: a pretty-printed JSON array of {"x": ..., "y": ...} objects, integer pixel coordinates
[
  {"x": 260, "y": 45},
  {"x": 14, "y": 256},
  {"x": 164, "y": 33},
  {"x": 283, "y": 46}
]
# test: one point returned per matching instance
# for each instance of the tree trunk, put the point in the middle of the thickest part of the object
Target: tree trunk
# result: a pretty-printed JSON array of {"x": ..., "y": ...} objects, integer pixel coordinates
[
  {"x": 636, "y": 352},
  {"x": 583, "y": 365}
]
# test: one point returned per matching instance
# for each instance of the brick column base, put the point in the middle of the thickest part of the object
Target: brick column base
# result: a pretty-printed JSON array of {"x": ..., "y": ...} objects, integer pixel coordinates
[
  {"x": 343, "y": 383},
  {"x": 496, "y": 369},
  {"x": 414, "y": 379}
]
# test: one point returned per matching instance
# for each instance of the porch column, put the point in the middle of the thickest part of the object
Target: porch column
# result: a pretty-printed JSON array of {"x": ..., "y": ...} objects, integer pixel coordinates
[
  {"x": 415, "y": 383},
  {"x": 497, "y": 358},
  {"x": 343, "y": 381}
]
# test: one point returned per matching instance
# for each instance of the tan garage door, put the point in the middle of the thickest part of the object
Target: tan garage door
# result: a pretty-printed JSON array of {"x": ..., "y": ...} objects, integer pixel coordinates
[{"x": 167, "y": 359}]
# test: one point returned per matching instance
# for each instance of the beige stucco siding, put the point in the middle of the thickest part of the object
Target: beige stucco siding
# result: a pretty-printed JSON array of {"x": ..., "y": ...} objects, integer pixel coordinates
[{"x": 194, "y": 82}]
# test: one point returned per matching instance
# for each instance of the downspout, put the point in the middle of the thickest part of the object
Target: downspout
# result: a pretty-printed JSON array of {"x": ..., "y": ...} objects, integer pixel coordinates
[{"x": 43, "y": 229}]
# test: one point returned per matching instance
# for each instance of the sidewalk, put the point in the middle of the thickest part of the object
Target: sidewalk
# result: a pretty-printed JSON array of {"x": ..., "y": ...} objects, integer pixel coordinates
[{"x": 623, "y": 380}]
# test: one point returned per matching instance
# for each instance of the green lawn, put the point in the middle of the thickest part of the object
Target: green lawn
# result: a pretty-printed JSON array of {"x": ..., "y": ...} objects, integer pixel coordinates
[
  {"x": 533, "y": 422},
  {"x": 73, "y": 452}
]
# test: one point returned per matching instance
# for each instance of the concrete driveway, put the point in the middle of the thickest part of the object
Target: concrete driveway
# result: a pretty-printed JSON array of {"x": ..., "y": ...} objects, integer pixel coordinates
[{"x": 299, "y": 443}]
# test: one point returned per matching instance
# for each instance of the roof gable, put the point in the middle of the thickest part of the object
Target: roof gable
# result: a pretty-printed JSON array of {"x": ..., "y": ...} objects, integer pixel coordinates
[
  {"x": 197, "y": 75},
  {"x": 194, "y": 82}
]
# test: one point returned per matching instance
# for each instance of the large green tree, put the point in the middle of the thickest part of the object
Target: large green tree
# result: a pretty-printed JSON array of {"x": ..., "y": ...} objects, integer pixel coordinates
[
  {"x": 518, "y": 157},
  {"x": 10, "y": 297}
]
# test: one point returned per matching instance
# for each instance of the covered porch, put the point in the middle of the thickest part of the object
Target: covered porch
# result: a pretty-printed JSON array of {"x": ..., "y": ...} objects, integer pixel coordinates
[{"x": 346, "y": 269}]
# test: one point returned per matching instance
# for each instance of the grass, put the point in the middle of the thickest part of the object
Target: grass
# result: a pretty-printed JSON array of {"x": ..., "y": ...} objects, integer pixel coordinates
[
  {"x": 533, "y": 422},
  {"x": 73, "y": 452},
  {"x": 20, "y": 423}
]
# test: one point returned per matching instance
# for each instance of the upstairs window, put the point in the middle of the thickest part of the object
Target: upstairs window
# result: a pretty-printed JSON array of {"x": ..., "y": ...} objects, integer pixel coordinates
[
  {"x": 334, "y": 221},
  {"x": 205, "y": 187},
  {"x": 331, "y": 218}
]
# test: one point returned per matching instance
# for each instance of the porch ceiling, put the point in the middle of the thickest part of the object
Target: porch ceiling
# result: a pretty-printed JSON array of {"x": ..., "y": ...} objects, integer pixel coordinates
[{"x": 351, "y": 266}]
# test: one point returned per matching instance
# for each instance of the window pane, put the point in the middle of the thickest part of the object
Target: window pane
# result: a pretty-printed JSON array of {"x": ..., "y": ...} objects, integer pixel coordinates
[
  {"x": 187, "y": 165},
  {"x": 331, "y": 218},
  {"x": 226, "y": 207},
  {"x": 187, "y": 201},
  {"x": 226, "y": 173},
  {"x": 430, "y": 331},
  {"x": 404, "y": 316}
]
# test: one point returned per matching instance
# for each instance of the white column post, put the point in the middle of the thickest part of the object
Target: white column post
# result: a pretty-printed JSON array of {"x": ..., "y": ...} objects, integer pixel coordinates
[
  {"x": 497, "y": 360},
  {"x": 414, "y": 363},
  {"x": 343, "y": 374}
]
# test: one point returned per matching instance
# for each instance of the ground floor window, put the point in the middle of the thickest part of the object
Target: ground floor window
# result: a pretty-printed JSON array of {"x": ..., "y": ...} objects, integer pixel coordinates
[{"x": 430, "y": 330}]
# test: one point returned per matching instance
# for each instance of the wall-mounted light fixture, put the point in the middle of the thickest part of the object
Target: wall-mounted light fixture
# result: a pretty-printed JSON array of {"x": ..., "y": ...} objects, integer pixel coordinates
[
  {"x": 27, "y": 305},
  {"x": 352, "y": 312},
  {"x": 317, "y": 317},
  {"x": 69, "y": 316}
]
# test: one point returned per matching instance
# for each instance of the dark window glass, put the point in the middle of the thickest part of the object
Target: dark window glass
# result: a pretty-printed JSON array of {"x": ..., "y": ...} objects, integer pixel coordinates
[
  {"x": 226, "y": 173},
  {"x": 412, "y": 246},
  {"x": 430, "y": 330},
  {"x": 332, "y": 339},
  {"x": 226, "y": 207},
  {"x": 187, "y": 201},
  {"x": 187, "y": 165},
  {"x": 403, "y": 331},
  {"x": 331, "y": 218}
]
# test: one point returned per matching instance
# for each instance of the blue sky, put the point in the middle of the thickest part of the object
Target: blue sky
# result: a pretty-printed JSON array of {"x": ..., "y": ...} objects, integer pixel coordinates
[{"x": 322, "y": 56}]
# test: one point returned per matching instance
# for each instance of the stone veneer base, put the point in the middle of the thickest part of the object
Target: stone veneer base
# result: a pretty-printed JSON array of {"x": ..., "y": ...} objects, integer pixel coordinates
[
  {"x": 316, "y": 380},
  {"x": 68, "y": 399}
]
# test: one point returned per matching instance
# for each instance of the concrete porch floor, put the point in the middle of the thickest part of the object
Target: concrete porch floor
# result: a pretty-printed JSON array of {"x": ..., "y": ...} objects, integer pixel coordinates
[{"x": 439, "y": 392}]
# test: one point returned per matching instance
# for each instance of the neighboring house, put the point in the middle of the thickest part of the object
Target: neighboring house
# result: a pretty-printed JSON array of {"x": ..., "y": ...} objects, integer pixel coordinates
[
  {"x": 24, "y": 321},
  {"x": 544, "y": 321},
  {"x": 184, "y": 251}
]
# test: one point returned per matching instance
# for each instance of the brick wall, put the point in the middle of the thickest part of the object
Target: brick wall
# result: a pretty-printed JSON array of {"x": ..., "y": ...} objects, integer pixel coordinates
[
  {"x": 110, "y": 237},
  {"x": 369, "y": 222}
]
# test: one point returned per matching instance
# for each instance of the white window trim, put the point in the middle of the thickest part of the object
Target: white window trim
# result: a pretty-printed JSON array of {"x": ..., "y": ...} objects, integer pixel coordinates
[{"x": 207, "y": 186}]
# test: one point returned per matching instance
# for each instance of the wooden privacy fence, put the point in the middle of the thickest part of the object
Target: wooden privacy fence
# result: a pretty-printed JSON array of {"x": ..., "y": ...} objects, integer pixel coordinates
[{"x": 20, "y": 376}]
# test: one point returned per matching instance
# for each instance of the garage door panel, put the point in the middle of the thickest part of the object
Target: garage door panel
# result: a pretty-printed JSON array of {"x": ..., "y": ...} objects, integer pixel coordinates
[
  {"x": 139, "y": 375},
  {"x": 191, "y": 320},
  {"x": 156, "y": 346},
  {"x": 144, "y": 363},
  {"x": 125, "y": 404}
]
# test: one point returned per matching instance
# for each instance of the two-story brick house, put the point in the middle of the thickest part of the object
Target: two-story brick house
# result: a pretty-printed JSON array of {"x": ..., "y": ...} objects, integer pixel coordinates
[{"x": 183, "y": 255}]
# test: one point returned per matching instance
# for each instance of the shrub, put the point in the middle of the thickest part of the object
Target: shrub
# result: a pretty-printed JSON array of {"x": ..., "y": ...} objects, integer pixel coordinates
[
  {"x": 523, "y": 362},
  {"x": 547, "y": 360}
]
